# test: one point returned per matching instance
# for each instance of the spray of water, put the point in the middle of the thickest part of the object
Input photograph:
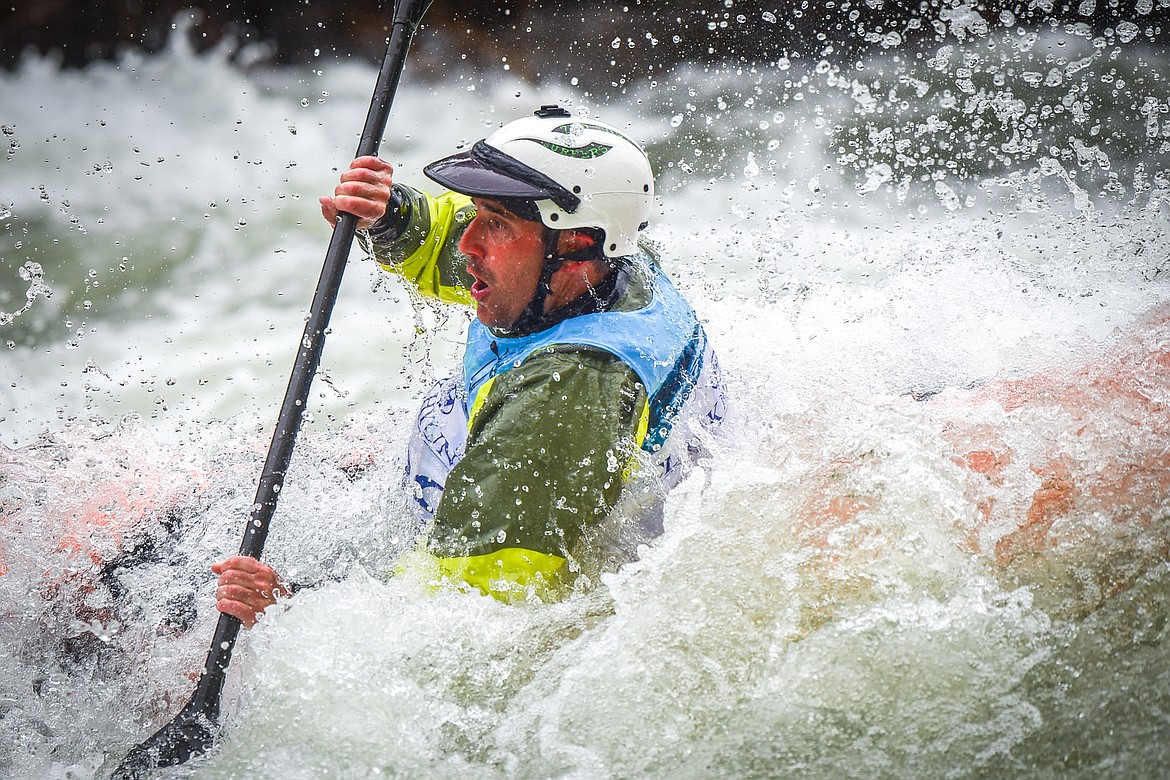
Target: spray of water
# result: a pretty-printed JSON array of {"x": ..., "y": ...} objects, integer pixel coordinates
[{"x": 932, "y": 542}]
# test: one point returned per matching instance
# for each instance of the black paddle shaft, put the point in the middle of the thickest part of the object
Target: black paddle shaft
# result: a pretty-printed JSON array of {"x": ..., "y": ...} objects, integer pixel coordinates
[{"x": 190, "y": 732}]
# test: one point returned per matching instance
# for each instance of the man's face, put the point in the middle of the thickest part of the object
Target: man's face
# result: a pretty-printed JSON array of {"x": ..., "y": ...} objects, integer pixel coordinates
[{"x": 505, "y": 255}]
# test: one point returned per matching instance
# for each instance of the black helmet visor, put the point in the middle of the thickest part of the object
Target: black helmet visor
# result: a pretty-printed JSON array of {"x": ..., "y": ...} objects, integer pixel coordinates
[{"x": 486, "y": 172}]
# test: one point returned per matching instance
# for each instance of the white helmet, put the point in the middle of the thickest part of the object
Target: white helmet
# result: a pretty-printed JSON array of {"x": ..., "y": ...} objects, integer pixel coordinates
[{"x": 580, "y": 173}]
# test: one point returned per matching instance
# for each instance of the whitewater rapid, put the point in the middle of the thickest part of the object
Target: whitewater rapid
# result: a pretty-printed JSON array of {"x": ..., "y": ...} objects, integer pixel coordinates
[{"x": 932, "y": 542}]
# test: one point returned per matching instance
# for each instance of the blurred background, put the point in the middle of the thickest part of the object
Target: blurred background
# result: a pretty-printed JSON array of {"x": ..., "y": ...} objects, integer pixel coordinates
[{"x": 536, "y": 36}]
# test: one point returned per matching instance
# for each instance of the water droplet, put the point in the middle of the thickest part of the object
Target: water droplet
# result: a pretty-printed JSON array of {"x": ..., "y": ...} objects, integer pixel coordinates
[
  {"x": 1127, "y": 31},
  {"x": 30, "y": 271}
]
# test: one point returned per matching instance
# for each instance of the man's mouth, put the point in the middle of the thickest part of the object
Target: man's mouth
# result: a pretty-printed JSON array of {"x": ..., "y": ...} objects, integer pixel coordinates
[{"x": 479, "y": 288}]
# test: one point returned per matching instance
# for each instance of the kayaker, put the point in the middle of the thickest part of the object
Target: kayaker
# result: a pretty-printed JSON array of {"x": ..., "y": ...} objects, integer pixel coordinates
[{"x": 583, "y": 365}]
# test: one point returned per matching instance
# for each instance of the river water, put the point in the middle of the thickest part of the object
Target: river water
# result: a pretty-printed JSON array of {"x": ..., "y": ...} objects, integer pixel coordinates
[{"x": 932, "y": 543}]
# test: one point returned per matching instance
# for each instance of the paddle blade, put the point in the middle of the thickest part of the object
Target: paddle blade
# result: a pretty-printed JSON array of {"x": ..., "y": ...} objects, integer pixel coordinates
[{"x": 189, "y": 734}]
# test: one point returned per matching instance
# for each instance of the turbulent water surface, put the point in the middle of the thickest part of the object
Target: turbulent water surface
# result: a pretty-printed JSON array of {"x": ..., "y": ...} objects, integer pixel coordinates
[{"x": 933, "y": 542}]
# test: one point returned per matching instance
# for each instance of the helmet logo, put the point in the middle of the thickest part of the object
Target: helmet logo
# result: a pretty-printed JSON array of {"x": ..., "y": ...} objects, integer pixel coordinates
[
  {"x": 590, "y": 126},
  {"x": 589, "y": 152}
]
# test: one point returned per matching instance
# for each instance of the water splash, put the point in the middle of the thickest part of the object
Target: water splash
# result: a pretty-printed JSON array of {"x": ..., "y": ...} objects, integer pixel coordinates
[
  {"x": 935, "y": 539},
  {"x": 35, "y": 275}
]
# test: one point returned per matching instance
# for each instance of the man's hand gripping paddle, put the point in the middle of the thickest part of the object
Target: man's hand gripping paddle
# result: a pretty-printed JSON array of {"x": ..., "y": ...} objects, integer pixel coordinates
[{"x": 191, "y": 732}]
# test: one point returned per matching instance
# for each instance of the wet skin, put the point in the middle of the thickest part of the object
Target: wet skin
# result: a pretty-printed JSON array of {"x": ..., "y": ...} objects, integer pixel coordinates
[{"x": 505, "y": 255}]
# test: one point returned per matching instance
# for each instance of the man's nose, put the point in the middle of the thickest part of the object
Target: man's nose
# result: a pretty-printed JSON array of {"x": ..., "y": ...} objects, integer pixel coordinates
[{"x": 468, "y": 243}]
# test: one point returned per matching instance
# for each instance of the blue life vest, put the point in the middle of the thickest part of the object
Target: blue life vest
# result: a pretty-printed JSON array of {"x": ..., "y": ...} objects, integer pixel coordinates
[{"x": 663, "y": 343}]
